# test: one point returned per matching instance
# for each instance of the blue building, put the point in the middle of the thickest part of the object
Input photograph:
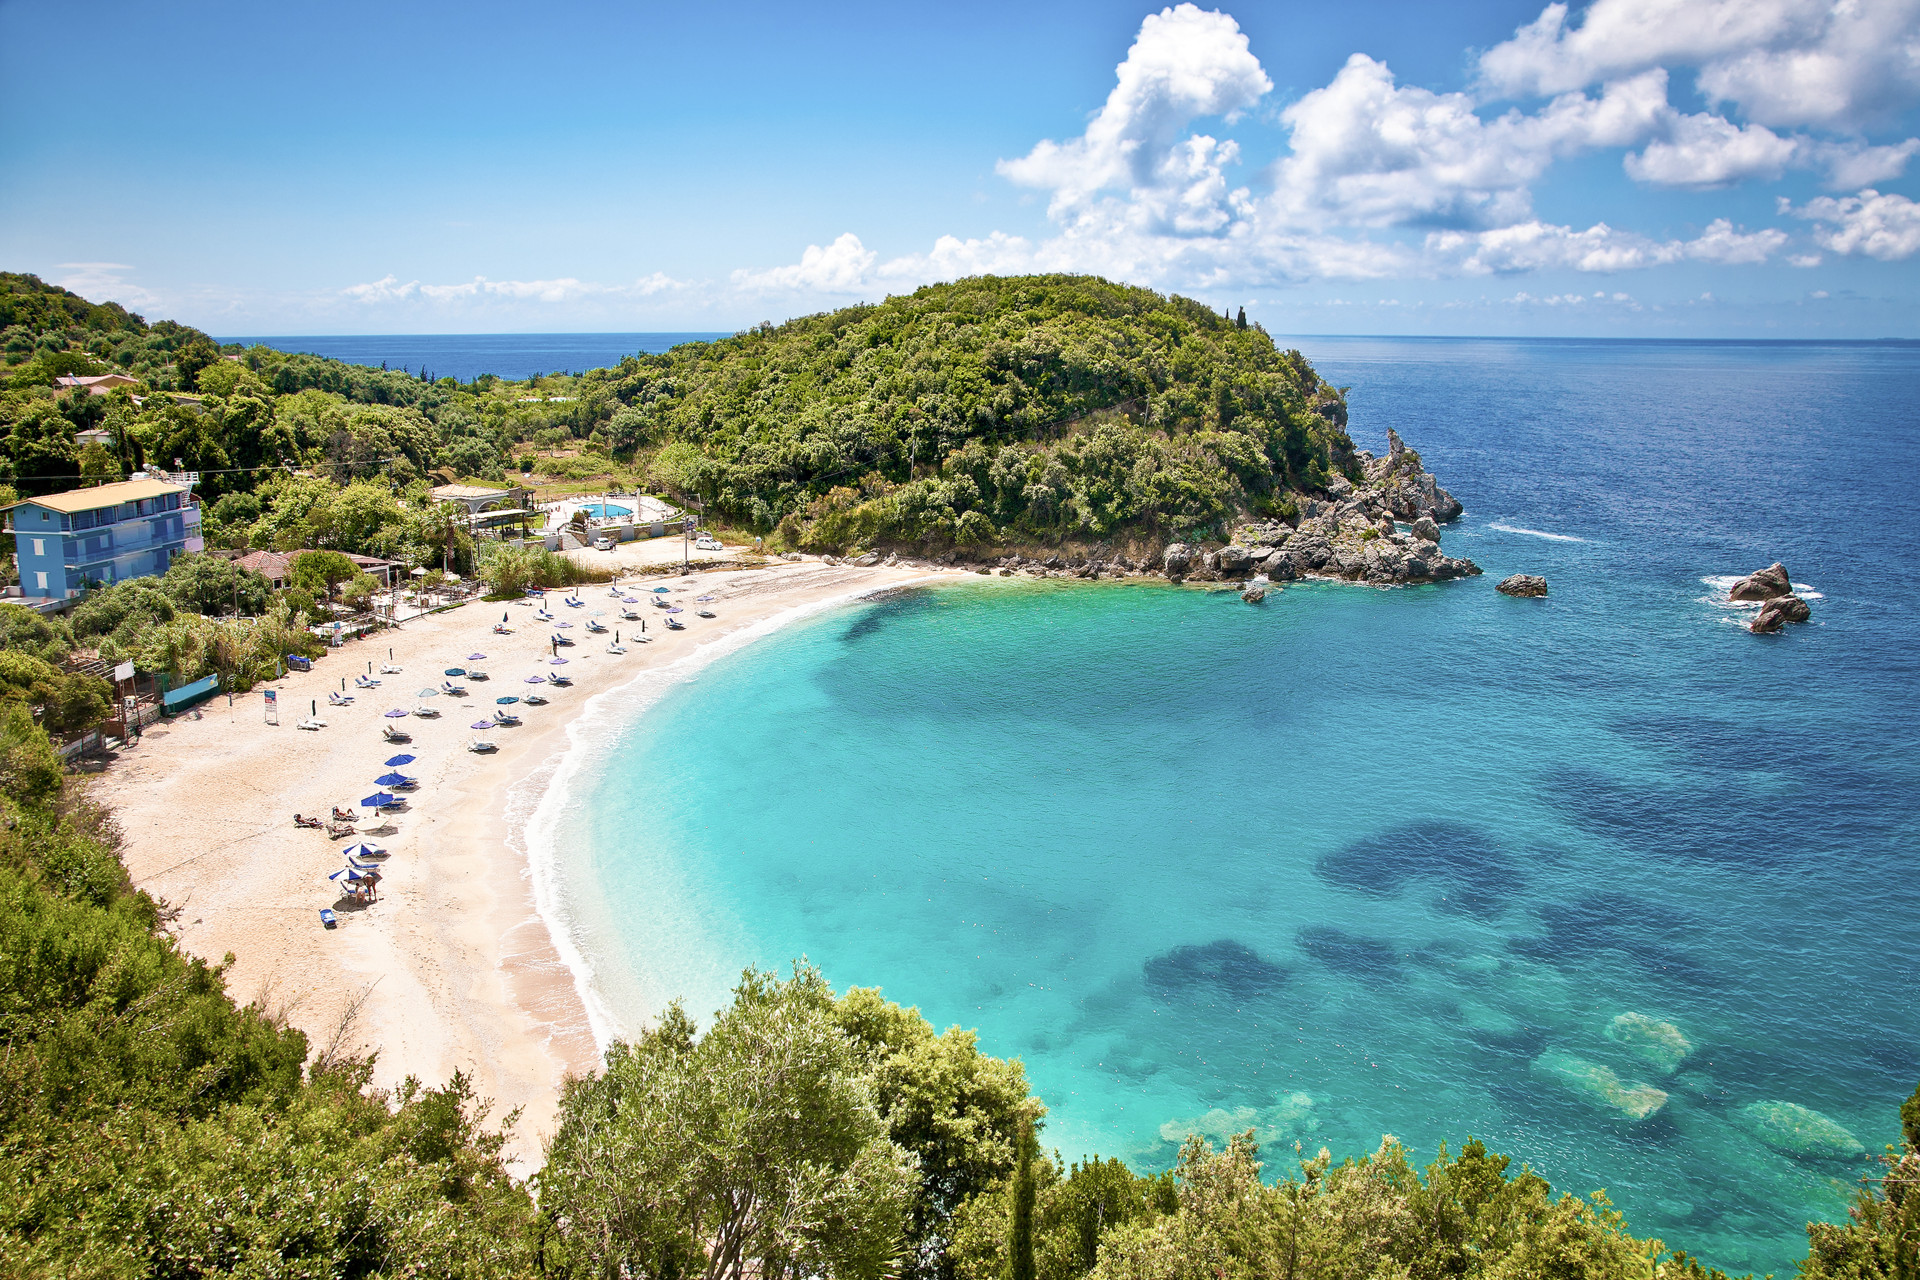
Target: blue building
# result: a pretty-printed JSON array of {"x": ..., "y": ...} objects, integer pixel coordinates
[{"x": 106, "y": 534}]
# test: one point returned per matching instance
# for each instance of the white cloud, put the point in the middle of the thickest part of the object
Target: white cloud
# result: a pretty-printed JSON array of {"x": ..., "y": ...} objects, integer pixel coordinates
[
  {"x": 390, "y": 289},
  {"x": 841, "y": 267},
  {"x": 1368, "y": 151},
  {"x": 1837, "y": 64},
  {"x": 1711, "y": 151},
  {"x": 1720, "y": 243},
  {"x": 1886, "y": 227},
  {"x": 103, "y": 282},
  {"x": 1540, "y": 246},
  {"x": 1184, "y": 65}
]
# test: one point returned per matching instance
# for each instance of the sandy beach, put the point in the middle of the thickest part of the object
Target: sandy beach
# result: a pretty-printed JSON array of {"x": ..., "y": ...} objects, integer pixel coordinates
[{"x": 452, "y": 968}]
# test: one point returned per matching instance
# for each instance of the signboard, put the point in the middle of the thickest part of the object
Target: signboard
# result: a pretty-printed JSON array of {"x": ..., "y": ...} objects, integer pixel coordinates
[
  {"x": 123, "y": 672},
  {"x": 273, "y": 706}
]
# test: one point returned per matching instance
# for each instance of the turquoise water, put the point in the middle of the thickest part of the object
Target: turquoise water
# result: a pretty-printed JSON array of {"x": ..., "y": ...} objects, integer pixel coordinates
[
  {"x": 605, "y": 510},
  {"x": 1351, "y": 862}
]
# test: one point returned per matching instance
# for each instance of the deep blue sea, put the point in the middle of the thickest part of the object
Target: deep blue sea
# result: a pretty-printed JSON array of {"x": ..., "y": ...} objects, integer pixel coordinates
[
  {"x": 1356, "y": 862},
  {"x": 468, "y": 355}
]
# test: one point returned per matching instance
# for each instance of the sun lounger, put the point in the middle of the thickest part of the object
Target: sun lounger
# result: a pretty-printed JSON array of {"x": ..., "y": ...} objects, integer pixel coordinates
[
  {"x": 311, "y": 723},
  {"x": 449, "y": 687},
  {"x": 315, "y": 823},
  {"x": 388, "y": 669},
  {"x": 392, "y": 734},
  {"x": 337, "y": 699},
  {"x": 576, "y": 604},
  {"x": 502, "y": 629},
  {"x": 327, "y": 918},
  {"x": 481, "y": 744},
  {"x": 340, "y": 830},
  {"x": 425, "y": 712},
  {"x": 475, "y": 673},
  {"x": 365, "y": 682}
]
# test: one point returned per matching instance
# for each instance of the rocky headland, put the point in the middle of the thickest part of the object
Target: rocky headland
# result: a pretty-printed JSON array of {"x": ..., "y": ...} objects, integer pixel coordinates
[{"x": 1350, "y": 532}]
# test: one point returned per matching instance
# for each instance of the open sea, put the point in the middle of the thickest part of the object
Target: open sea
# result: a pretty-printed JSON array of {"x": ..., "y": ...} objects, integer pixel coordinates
[
  {"x": 468, "y": 355},
  {"x": 1356, "y": 862}
]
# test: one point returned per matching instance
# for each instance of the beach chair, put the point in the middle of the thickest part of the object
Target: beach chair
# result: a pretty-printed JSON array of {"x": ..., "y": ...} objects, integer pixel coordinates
[
  {"x": 388, "y": 669},
  {"x": 425, "y": 712},
  {"x": 505, "y": 718},
  {"x": 311, "y": 724},
  {"x": 314, "y": 823},
  {"x": 481, "y": 745},
  {"x": 392, "y": 734},
  {"x": 365, "y": 682},
  {"x": 575, "y": 604},
  {"x": 502, "y": 629},
  {"x": 616, "y": 648},
  {"x": 327, "y": 918},
  {"x": 475, "y": 673},
  {"x": 454, "y": 690},
  {"x": 630, "y": 615},
  {"x": 340, "y": 830},
  {"x": 337, "y": 699},
  {"x": 562, "y": 640}
]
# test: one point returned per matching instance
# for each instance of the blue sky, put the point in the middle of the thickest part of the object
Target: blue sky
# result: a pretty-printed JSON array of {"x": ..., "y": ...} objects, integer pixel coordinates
[{"x": 1710, "y": 168}]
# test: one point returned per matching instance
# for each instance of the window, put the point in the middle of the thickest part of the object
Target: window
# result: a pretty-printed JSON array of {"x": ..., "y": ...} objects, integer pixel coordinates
[
  {"x": 40, "y": 549},
  {"x": 41, "y": 579}
]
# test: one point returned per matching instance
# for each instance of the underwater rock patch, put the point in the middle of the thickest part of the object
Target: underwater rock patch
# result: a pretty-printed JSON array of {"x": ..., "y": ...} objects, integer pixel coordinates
[
  {"x": 1599, "y": 1084},
  {"x": 1289, "y": 1118},
  {"x": 1478, "y": 873},
  {"x": 1794, "y": 1130},
  {"x": 1660, "y": 1044},
  {"x": 1348, "y": 953},
  {"x": 1225, "y": 965}
]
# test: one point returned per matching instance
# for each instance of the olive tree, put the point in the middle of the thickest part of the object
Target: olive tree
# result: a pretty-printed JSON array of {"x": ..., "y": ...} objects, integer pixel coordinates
[{"x": 754, "y": 1149}]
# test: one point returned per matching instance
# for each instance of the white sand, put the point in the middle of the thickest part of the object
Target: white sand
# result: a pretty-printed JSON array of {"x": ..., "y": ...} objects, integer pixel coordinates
[{"x": 452, "y": 968}]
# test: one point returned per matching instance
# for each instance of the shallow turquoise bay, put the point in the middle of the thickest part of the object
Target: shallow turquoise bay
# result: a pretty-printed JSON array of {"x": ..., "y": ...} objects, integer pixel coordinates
[{"x": 1350, "y": 862}]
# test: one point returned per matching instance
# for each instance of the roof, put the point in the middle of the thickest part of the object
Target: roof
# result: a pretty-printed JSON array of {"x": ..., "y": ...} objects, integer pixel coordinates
[
  {"x": 96, "y": 380},
  {"x": 451, "y": 492},
  {"x": 105, "y": 495},
  {"x": 268, "y": 564}
]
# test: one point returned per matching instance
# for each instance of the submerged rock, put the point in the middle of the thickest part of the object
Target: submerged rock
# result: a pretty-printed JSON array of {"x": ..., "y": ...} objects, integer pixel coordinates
[
  {"x": 1600, "y": 1085},
  {"x": 1254, "y": 594},
  {"x": 1523, "y": 584},
  {"x": 1794, "y": 1130},
  {"x": 1659, "y": 1043},
  {"x": 1777, "y": 612},
  {"x": 1291, "y": 1117},
  {"x": 1764, "y": 584}
]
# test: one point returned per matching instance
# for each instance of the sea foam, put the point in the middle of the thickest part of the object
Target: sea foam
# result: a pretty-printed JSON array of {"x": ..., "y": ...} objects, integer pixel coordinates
[{"x": 1535, "y": 533}]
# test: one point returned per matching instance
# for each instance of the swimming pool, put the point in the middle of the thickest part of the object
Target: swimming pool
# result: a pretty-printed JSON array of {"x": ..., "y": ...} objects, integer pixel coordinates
[{"x": 605, "y": 510}]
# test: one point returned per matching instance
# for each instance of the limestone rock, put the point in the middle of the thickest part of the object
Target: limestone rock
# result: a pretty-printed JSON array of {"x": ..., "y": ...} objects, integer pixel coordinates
[
  {"x": 1177, "y": 559},
  {"x": 1426, "y": 530},
  {"x": 1233, "y": 560},
  {"x": 1779, "y": 611},
  {"x": 1765, "y": 584},
  {"x": 1523, "y": 584},
  {"x": 1254, "y": 594},
  {"x": 1661, "y": 1044},
  {"x": 1598, "y": 1084},
  {"x": 1794, "y": 1130}
]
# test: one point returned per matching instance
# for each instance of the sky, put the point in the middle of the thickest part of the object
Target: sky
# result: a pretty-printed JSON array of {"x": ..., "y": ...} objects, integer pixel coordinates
[{"x": 1657, "y": 168}]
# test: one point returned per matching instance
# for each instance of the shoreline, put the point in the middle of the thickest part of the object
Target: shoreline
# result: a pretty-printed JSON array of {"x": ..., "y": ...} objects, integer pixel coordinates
[{"x": 457, "y": 966}]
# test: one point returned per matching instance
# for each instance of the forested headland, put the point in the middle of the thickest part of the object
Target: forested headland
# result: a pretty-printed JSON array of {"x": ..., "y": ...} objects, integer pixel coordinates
[{"x": 1028, "y": 411}]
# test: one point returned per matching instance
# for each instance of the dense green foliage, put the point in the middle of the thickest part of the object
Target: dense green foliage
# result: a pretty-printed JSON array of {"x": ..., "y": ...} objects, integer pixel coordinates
[
  {"x": 1040, "y": 407},
  {"x": 1881, "y": 1239},
  {"x": 149, "y": 1127}
]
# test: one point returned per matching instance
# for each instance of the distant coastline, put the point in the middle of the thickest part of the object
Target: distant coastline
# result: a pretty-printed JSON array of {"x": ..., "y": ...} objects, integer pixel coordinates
[{"x": 466, "y": 356}]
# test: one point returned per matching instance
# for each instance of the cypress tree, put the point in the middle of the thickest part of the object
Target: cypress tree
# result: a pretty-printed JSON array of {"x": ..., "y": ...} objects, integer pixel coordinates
[
  {"x": 1242, "y": 321},
  {"x": 1020, "y": 1252}
]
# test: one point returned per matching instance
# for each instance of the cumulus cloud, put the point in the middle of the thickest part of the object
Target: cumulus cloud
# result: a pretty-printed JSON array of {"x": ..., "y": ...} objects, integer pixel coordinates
[
  {"x": 1184, "y": 65},
  {"x": 1368, "y": 151},
  {"x": 841, "y": 267},
  {"x": 1539, "y": 246},
  {"x": 1838, "y": 64},
  {"x": 105, "y": 281},
  {"x": 1886, "y": 227}
]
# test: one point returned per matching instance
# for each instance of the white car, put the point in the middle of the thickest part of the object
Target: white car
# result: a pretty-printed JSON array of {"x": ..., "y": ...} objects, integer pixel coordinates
[
  {"x": 603, "y": 544},
  {"x": 704, "y": 543}
]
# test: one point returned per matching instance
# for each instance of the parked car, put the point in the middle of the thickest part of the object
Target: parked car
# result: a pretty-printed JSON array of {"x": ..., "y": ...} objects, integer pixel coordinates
[
  {"x": 706, "y": 543},
  {"x": 603, "y": 544}
]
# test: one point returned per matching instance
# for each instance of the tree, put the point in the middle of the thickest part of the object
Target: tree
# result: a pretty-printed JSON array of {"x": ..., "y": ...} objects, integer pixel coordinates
[
  {"x": 1881, "y": 1238},
  {"x": 29, "y": 767},
  {"x": 197, "y": 355},
  {"x": 320, "y": 572},
  {"x": 63, "y": 702},
  {"x": 1241, "y": 321},
  {"x": 1020, "y": 1238},
  {"x": 215, "y": 586},
  {"x": 755, "y": 1150},
  {"x": 25, "y": 631}
]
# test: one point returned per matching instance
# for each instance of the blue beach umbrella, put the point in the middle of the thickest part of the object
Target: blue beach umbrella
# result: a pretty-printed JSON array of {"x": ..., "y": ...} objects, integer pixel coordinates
[
  {"x": 557, "y": 662},
  {"x": 454, "y": 671},
  {"x": 380, "y": 800},
  {"x": 476, "y": 657},
  {"x": 395, "y": 762},
  {"x": 481, "y": 724},
  {"x": 396, "y": 713},
  {"x": 393, "y": 780},
  {"x": 506, "y": 701},
  {"x": 563, "y": 624},
  {"x": 536, "y": 680},
  {"x": 365, "y": 851},
  {"x": 661, "y": 590}
]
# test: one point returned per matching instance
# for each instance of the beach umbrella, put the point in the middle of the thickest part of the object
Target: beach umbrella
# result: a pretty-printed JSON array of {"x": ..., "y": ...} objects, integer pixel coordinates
[
  {"x": 675, "y": 609},
  {"x": 365, "y": 851},
  {"x": 392, "y": 780},
  {"x": 536, "y": 679},
  {"x": 476, "y": 657},
  {"x": 454, "y": 671},
  {"x": 557, "y": 662},
  {"x": 597, "y": 613},
  {"x": 702, "y": 599},
  {"x": 481, "y": 724},
  {"x": 629, "y": 600},
  {"x": 394, "y": 762},
  {"x": 428, "y": 693},
  {"x": 660, "y": 590},
  {"x": 380, "y": 800},
  {"x": 396, "y": 714},
  {"x": 563, "y": 624},
  {"x": 505, "y": 702}
]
